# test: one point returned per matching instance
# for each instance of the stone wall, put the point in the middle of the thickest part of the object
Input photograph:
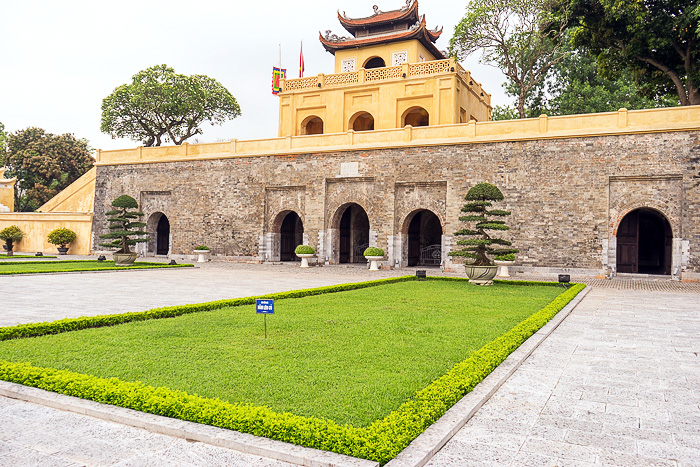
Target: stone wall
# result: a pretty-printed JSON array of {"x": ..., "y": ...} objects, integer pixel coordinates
[{"x": 567, "y": 195}]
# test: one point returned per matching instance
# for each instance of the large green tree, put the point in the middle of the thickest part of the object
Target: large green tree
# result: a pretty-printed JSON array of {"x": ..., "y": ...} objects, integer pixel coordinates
[
  {"x": 520, "y": 37},
  {"x": 44, "y": 164},
  {"x": 3, "y": 139},
  {"x": 160, "y": 105},
  {"x": 656, "y": 39}
]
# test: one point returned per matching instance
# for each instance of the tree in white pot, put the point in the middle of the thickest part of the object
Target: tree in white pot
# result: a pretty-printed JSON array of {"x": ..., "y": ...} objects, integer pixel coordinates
[
  {"x": 304, "y": 252},
  {"x": 374, "y": 254}
]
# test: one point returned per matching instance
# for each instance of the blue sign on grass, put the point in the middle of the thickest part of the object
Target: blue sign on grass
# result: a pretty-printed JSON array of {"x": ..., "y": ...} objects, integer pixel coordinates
[{"x": 265, "y": 307}]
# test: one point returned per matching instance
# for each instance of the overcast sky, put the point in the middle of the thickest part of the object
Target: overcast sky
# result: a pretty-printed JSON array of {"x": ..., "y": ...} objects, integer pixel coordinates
[{"x": 61, "y": 58}]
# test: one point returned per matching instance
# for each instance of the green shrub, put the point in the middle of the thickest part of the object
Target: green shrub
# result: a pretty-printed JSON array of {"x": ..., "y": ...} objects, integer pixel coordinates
[
  {"x": 373, "y": 251},
  {"x": 11, "y": 234},
  {"x": 508, "y": 257},
  {"x": 123, "y": 226},
  {"x": 61, "y": 237},
  {"x": 201, "y": 248},
  {"x": 304, "y": 250}
]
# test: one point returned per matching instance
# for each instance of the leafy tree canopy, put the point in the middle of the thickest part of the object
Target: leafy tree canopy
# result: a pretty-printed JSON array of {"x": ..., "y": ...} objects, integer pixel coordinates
[
  {"x": 656, "y": 39},
  {"x": 3, "y": 140},
  {"x": 160, "y": 105},
  {"x": 520, "y": 37},
  {"x": 44, "y": 164}
]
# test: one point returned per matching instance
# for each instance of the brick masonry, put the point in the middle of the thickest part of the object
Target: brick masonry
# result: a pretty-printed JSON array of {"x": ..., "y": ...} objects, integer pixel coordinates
[{"x": 567, "y": 196}]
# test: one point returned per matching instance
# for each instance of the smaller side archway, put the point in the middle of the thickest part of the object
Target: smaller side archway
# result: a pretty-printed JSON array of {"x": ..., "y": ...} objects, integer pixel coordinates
[
  {"x": 352, "y": 224},
  {"x": 423, "y": 233},
  {"x": 312, "y": 125},
  {"x": 374, "y": 62},
  {"x": 291, "y": 235},
  {"x": 415, "y": 116},
  {"x": 362, "y": 121},
  {"x": 160, "y": 238},
  {"x": 644, "y": 243}
]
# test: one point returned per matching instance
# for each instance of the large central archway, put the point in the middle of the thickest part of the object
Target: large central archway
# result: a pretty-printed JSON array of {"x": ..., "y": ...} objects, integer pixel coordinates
[
  {"x": 424, "y": 239},
  {"x": 158, "y": 227},
  {"x": 353, "y": 230},
  {"x": 291, "y": 236},
  {"x": 644, "y": 240}
]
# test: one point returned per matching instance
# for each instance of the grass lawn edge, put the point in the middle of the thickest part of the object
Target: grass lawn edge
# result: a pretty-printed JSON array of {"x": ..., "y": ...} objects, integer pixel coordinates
[
  {"x": 58, "y": 269},
  {"x": 380, "y": 441}
]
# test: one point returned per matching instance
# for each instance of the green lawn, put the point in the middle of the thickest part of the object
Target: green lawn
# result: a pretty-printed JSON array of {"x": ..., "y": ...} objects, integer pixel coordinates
[
  {"x": 352, "y": 356},
  {"x": 38, "y": 267},
  {"x": 4, "y": 256}
]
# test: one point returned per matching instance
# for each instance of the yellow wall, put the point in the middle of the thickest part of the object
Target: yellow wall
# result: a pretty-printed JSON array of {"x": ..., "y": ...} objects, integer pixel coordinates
[
  {"x": 7, "y": 192},
  {"x": 79, "y": 196},
  {"x": 36, "y": 227},
  {"x": 385, "y": 51}
]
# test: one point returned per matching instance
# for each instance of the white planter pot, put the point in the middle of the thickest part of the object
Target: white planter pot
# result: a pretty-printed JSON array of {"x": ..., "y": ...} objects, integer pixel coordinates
[
  {"x": 305, "y": 259},
  {"x": 480, "y": 275},
  {"x": 503, "y": 268},
  {"x": 202, "y": 255},
  {"x": 373, "y": 262}
]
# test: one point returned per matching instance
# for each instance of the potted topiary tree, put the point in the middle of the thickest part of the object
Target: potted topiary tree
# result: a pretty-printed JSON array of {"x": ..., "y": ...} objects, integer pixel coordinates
[
  {"x": 11, "y": 235},
  {"x": 304, "y": 252},
  {"x": 61, "y": 237},
  {"x": 481, "y": 270},
  {"x": 503, "y": 261},
  {"x": 374, "y": 254},
  {"x": 122, "y": 227}
]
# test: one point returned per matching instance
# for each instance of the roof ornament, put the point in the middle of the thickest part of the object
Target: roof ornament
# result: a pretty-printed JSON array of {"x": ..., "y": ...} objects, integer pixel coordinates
[
  {"x": 408, "y": 5},
  {"x": 415, "y": 26},
  {"x": 330, "y": 37},
  {"x": 376, "y": 9}
]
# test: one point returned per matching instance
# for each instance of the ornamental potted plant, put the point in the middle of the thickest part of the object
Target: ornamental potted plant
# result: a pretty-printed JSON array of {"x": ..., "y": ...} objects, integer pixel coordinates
[
  {"x": 304, "y": 252},
  {"x": 202, "y": 252},
  {"x": 123, "y": 230},
  {"x": 61, "y": 237},
  {"x": 503, "y": 261},
  {"x": 481, "y": 270},
  {"x": 374, "y": 254},
  {"x": 11, "y": 235}
]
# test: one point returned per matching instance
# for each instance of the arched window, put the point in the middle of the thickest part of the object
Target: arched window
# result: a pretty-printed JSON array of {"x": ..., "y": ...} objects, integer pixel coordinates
[
  {"x": 374, "y": 62},
  {"x": 416, "y": 116},
  {"x": 312, "y": 125},
  {"x": 362, "y": 121}
]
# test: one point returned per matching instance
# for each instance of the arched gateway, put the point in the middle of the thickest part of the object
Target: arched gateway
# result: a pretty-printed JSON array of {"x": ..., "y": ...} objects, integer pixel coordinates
[
  {"x": 158, "y": 227},
  {"x": 424, "y": 233},
  {"x": 644, "y": 241},
  {"x": 291, "y": 236},
  {"x": 353, "y": 233}
]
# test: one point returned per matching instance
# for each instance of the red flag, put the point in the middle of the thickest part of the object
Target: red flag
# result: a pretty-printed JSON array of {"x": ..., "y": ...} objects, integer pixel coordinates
[{"x": 301, "y": 60}]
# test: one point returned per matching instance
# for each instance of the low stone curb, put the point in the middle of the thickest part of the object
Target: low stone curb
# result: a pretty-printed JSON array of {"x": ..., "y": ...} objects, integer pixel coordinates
[
  {"x": 190, "y": 431},
  {"x": 417, "y": 454},
  {"x": 426, "y": 445}
]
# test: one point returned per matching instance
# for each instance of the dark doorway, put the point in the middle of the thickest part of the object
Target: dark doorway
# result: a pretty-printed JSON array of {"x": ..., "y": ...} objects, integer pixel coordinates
[
  {"x": 163, "y": 236},
  {"x": 291, "y": 236},
  {"x": 354, "y": 234},
  {"x": 375, "y": 62},
  {"x": 416, "y": 116},
  {"x": 644, "y": 241},
  {"x": 424, "y": 240}
]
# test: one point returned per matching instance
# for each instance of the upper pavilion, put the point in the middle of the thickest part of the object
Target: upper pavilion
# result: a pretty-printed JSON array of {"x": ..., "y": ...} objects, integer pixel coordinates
[{"x": 388, "y": 74}]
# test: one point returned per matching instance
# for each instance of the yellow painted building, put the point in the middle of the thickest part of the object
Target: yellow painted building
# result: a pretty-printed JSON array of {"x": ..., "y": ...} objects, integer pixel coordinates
[
  {"x": 389, "y": 74},
  {"x": 7, "y": 192}
]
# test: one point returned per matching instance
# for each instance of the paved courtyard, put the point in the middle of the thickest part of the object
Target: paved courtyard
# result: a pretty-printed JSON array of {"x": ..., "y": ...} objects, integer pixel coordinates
[{"x": 617, "y": 383}]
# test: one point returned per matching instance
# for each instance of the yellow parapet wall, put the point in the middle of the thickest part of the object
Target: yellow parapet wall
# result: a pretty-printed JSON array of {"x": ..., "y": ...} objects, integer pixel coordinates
[
  {"x": 569, "y": 126},
  {"x": 79, "y": 196},
  {"x": 36, "y": 227}
]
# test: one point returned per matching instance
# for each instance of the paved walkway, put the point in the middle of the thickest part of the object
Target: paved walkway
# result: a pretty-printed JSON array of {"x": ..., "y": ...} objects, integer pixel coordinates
[{"x": 618, "y": 383}]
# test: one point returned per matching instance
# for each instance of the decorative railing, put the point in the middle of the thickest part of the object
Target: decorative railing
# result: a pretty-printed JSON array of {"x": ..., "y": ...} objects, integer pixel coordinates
[
  {"x": 407, "y": 70},
  {"x": 430, "y": 255}
]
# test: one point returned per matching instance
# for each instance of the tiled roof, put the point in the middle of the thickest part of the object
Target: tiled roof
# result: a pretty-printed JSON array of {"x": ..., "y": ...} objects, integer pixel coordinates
[{"x": 407, "y": 14}]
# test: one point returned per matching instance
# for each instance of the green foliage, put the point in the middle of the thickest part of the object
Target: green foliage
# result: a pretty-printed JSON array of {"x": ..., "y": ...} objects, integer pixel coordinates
[
  {"x": 202, "y": 248},
  {"x": 123, "y": 226},
  {"x": 657, "y": 41},
  {"x": 381, "y": 440},
  {"x": 44, "y": 164},
  {"x": 373, "y": 251},
  {"x": 11, "y": 235},
  {"x": 304, "y": 250},
  {"x": 478, "y": 249},
  {"x": 47, "y": 267},
  {"x": 61, "y": 237},
  {"x": 3, "y": 142},
  {"x": 161, "y": 105},
  {"x": 511, "y": 36},
  {"x": 508, "y": 257}
]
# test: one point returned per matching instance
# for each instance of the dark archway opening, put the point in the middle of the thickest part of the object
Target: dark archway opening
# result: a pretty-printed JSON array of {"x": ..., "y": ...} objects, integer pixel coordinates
[
  {"x": 644, "y": 241},
  {"x": 312, "y": 126},
  {"x": 375, "y": 62},
  {"x": 291, "y": 236},
  {"x": 424, "y": 239},
  {"x": 363, "y": 122},
  {"x": 354, "y": 234},
  {"x": 163, "y": 236},
  {"x": 416, "y": 116}
]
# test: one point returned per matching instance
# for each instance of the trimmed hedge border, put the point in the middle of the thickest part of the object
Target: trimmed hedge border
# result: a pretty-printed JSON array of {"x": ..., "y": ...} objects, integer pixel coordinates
[
  {"x": 144, "y": 265},
  {"x": 380, "y": 441}
]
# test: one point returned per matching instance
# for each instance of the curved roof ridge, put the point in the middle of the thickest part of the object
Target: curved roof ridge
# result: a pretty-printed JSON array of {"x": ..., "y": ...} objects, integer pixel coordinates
[{"x": 406, "y": 13}]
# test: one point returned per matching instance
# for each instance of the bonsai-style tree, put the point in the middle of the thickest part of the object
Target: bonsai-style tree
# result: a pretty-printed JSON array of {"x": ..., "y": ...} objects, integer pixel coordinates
[
  {"x": 123, "y": 225},
  {"x": 11, "y": 234},
  {"x": 61, "y": 237},
  {"x": 479, "y": 244}
]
